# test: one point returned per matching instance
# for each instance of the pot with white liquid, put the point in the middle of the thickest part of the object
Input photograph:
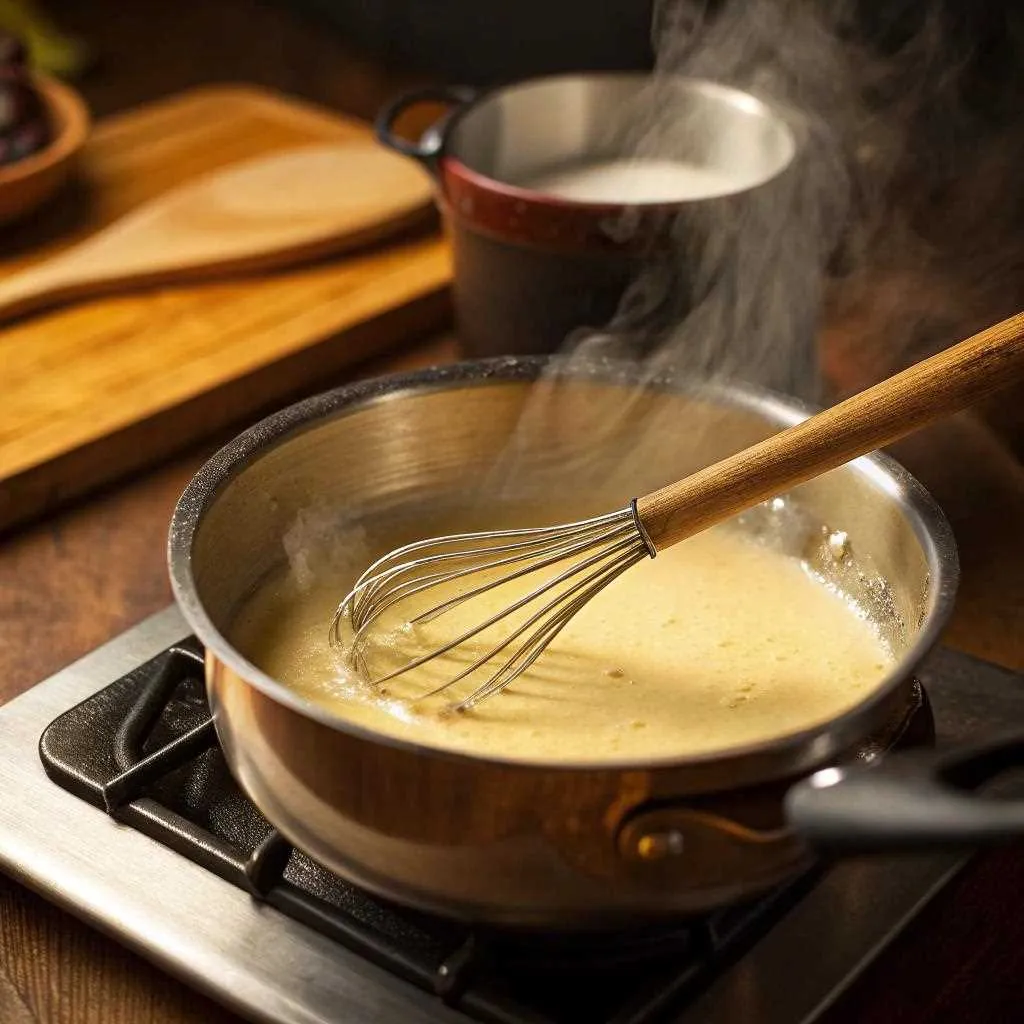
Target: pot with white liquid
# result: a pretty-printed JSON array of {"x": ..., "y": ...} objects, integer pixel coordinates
[
  {"x": 579, "y": 835},
  {"x": 578, "y": 202}
]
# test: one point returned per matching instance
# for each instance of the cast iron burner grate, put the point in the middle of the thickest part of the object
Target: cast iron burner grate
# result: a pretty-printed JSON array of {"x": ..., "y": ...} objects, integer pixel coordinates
[{"x": 144, "y": 749}]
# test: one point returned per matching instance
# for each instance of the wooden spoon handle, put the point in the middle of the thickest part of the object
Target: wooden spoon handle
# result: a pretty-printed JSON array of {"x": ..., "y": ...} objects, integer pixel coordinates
[
  {"x": 877, "y": 416},
  {"x": 35, "y": 289}
]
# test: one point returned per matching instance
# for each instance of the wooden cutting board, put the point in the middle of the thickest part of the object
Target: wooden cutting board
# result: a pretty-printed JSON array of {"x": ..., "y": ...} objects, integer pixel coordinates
[{"x": 101, "y": 388}]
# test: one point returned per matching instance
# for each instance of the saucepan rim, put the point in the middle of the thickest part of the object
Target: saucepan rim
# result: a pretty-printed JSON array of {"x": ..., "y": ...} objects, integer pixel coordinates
[
  {"x": 770, "y": 111},
  {"x": 920, "y": 509}
]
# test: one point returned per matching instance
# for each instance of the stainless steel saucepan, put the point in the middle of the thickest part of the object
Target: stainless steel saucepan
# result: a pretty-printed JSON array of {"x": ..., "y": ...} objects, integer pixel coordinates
[{"x": 533, "y": 844}]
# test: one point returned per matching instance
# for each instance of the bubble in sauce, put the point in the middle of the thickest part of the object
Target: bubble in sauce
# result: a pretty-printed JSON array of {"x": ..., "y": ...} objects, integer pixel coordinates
[{"x": 838, "y": 545}]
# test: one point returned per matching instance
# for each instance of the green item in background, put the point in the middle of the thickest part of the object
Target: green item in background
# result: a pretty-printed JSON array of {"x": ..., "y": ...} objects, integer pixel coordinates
[{"x": 50, "y": 50}]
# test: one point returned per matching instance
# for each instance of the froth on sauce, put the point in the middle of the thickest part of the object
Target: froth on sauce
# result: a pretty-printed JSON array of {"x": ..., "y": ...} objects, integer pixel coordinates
[
  {"x": 635, "y": 181},
  {"x": 717, "y": 643}
]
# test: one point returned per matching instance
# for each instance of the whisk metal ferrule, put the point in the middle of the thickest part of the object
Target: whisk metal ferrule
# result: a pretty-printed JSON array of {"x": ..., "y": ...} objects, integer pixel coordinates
[{"x": 642, "y": 530}]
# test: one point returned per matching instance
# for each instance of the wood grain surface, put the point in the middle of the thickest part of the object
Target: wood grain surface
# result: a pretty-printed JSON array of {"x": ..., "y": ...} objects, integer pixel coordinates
[
  {"x": 78, "y": 577},
  {"x": 99, "y": 388},
  {"x": 278, "y": 210},
  {"x": 67, "y": 584}
]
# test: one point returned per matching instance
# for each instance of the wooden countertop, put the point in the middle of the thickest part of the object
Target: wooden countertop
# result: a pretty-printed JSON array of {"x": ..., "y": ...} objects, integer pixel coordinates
[
  {"x": 67, "y": 584},
  {"x": 77, "y": 578}
]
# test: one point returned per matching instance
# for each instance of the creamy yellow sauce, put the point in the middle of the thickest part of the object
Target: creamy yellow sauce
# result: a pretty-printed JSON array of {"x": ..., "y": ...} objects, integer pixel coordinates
[{"x": 718, "y": 642}]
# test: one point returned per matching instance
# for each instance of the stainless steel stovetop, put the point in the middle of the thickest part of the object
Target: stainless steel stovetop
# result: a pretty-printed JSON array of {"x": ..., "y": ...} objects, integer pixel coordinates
[{"x": 270, "y": 967}]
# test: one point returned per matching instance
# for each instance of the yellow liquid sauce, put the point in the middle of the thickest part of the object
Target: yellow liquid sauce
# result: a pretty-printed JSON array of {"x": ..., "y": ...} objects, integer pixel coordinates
[{"x": 719, "y": 642}]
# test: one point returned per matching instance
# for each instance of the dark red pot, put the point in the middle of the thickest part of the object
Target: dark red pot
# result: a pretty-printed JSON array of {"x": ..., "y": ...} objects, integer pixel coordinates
[{"x": 532, "y": 268}]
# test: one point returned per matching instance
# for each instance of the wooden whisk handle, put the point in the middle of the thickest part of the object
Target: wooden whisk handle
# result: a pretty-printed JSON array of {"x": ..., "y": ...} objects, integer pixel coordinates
[{"x": 927, "y": 391}]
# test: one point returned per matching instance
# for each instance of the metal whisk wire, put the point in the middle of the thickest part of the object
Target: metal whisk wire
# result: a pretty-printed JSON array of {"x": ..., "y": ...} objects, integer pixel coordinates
[
  {"x": 602, "y": 548},
  {"x": 961, "y": 375}
]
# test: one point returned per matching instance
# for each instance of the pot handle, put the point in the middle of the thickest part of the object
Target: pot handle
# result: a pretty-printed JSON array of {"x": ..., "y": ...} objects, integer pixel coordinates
[
  {"x": 913, "y": 801},
  {"x": 431, "y": 143}
]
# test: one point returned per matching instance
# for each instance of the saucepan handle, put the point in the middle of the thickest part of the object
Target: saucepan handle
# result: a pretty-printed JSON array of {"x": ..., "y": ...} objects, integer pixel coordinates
[
  {"x": 912, "y": 801},
  {"x": 431, "y": 143}
]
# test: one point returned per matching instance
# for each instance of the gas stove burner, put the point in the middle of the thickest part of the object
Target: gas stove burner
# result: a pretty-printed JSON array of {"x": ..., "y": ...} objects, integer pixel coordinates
[
  {"x": 701, "y": 938},
  {"x": 195, "y": 878},
  {"x": 145, "y": 750},
  {"x": 556, "y": 953}
]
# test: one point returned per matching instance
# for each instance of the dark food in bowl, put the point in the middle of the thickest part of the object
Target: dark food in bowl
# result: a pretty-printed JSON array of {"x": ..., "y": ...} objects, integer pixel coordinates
[{"x": 24, "y": 124}]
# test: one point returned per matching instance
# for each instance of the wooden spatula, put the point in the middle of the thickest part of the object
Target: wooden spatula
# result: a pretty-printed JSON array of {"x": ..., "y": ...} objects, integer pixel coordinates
[{"x": 262, "y": 213}]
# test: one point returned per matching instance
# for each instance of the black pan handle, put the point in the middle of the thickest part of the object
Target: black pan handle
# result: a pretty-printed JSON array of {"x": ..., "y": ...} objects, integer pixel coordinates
[
  {"x": 912, "y": 801},
  {"x": 431, "y": 143}
]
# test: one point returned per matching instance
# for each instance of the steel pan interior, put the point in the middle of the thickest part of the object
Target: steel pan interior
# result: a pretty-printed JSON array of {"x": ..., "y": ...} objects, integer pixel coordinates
[
  {"x": 523, "y": 843},
  {"x": 533, "y": 127}
]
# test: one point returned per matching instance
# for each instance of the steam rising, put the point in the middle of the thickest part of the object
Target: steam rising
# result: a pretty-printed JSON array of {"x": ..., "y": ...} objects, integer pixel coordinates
[
  {"x": 901, "y": 217},
  {"x": 906, "y": 115},
  {"x": 900, "y": 214},
  {"x": 738, "y": 295}
]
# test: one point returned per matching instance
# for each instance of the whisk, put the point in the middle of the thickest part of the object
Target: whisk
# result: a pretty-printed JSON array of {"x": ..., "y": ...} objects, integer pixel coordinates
[{"x": 582, "y": 558}]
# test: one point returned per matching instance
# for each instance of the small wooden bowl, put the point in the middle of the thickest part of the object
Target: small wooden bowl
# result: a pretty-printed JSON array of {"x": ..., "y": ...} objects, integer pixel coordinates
[{"x": 27, "y": 184}]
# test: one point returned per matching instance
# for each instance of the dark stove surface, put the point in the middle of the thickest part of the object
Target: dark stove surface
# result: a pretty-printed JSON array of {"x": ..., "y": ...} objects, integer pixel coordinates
[
  {"x": 137, "y": 744},
  {"x": 144, "y": 749}
]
